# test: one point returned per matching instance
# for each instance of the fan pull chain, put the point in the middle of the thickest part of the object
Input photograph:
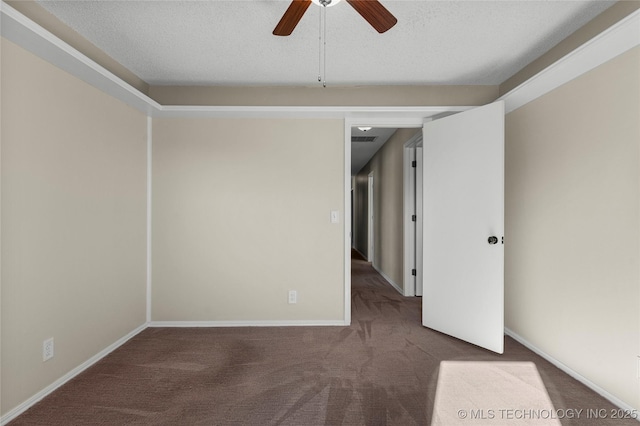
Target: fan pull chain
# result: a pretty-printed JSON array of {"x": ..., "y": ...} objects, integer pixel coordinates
[
  {"x": 320, "y": 47},
  {"x": 324, "y": 50}
]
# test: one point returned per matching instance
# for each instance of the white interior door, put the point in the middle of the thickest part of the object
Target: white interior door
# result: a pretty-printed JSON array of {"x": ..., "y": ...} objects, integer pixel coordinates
[{"x": 463, "y": 193}]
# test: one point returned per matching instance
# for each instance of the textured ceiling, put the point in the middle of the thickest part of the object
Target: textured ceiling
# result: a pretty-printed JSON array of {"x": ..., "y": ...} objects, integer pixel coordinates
[{"x": 230, "y": 42}]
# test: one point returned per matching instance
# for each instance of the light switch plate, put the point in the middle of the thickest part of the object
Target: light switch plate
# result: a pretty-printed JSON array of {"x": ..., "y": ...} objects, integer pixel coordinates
[{"x": 335, "y": 216}]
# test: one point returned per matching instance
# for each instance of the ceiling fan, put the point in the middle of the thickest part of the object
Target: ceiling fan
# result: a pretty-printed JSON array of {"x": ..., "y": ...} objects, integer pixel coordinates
[{"x": 371, "y": 10}]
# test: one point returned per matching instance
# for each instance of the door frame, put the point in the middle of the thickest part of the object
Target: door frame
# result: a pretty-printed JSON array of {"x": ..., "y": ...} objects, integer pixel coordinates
[
  {"x": 419, "y": 246},
  {"x": 410, "y": 239},
  {"x": 401, "y": 117},
  {"x": 370, "y": 220}
]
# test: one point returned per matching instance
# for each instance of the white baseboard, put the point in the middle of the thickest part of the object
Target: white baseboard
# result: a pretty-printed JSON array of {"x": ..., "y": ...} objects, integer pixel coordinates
[
  {"x": 271, "y": 323},
  {"x": 70, "y": 375},
  {"x": 389, "y": 280},
  {"x": 588, "y": 383}
]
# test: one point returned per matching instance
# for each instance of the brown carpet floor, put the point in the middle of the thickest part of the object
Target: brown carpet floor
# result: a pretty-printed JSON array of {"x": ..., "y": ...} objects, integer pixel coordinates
[{"x": 382, "y": 370}]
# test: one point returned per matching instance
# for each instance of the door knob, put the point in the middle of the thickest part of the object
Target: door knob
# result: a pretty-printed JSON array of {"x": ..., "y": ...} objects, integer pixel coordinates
[{"x": 493, "y": 240}]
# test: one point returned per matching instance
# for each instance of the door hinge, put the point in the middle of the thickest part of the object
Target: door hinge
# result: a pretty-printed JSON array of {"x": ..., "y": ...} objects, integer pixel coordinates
[
  {"x": 413, "y": 218},
  {"x": 414, "y": 272},
  {"x": 414, "y": 163}
]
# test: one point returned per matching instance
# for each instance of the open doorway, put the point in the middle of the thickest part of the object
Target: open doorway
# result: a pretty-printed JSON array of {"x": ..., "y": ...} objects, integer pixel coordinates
[
  {"x": 445, "y": 168},
  {"x": 355, "y": 232},
  {"x": 381, "y": 213}
]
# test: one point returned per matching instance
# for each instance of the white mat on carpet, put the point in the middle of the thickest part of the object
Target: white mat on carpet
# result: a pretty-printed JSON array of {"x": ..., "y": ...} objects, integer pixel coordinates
[{"x": 492, "y": 393}]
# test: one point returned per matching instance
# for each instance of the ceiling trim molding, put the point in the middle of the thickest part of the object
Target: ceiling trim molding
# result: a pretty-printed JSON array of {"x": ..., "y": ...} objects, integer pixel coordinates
[
  {"x": 21, "y": 30},
  {"x": 27, "y": 34},
  {"x": 614, "y": 41},
  {"x": 368, "y": 114}
]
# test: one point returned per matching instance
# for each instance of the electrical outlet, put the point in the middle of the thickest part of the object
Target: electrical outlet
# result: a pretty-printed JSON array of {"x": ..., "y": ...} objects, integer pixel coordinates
[
  {"x": 293, "y": 296},
  {"x": 638, "y": 367},
  {"x": 47, "y": 349}
]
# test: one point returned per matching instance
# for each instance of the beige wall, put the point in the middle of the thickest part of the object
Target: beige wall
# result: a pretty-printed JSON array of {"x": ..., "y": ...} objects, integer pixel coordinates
[
  {"x": 329, "y": 96},
  {"x": 73, "y": 222},
  {"x": 573, "y": 224},
  {"x": 241, "y": 211},
  {"x": 388, "y": 180}
]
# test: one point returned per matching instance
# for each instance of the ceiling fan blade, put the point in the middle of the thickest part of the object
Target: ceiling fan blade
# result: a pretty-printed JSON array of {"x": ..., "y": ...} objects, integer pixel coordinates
[
  {"x": 291, "y": 17},
  {"x": 375, "y": 14}
]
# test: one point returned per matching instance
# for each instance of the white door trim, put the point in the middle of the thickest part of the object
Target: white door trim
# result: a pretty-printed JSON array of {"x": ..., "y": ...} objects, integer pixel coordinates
[
  {"x": 149, "y": 210},
  {"x": 408, "y": 210},
  {"x": 347, "y": 225},
  {"x": 371, "y": 242},
  {"x": 419, "y": 235}
]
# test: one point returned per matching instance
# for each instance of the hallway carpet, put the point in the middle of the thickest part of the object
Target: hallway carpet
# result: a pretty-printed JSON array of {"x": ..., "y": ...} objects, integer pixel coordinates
[{"x": 382, "y": 370}]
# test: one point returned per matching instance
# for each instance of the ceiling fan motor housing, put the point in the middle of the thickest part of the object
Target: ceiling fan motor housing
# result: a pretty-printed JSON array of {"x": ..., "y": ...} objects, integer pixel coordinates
[
  {"x": 371, "y": 10},
  {"x": 326, "y": 3}
]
